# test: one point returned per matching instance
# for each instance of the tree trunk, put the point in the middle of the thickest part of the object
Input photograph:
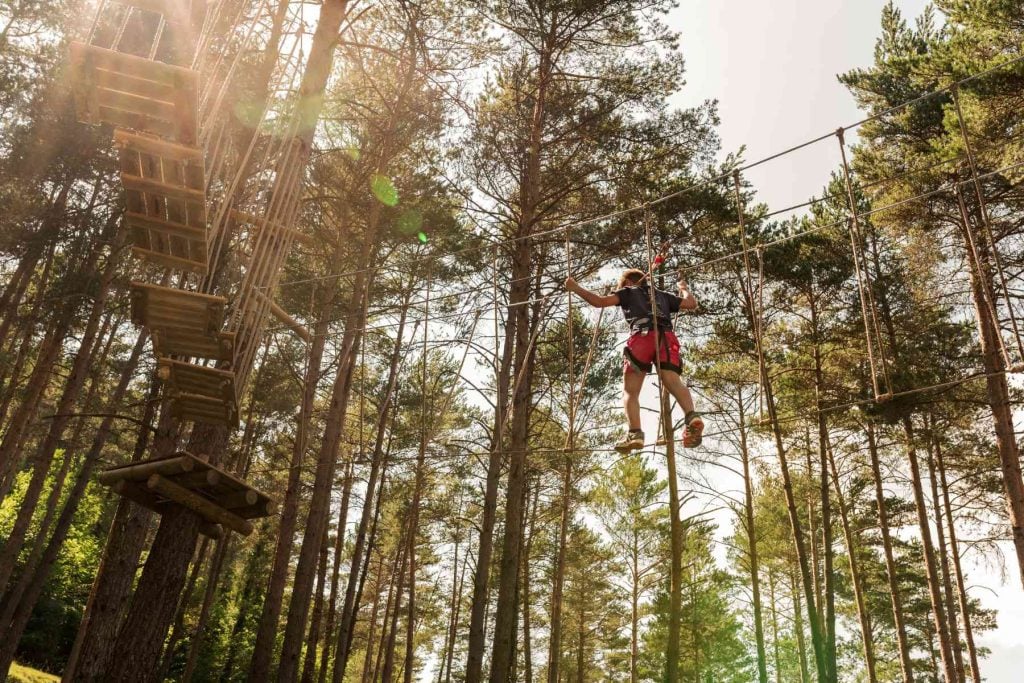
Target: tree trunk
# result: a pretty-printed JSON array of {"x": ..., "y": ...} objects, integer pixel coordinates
[
  {"x": 755, "y": 578},
  {"x": 555, "y": 629},
  {"x": 998, "y": 392},
  {"x": 183, "y": 605},
  {"x": 108, "y": 599},
  {"x": 891, "y": 570},
  {"x": 309, "y": 664},
  {"x": 965, "y": 611},
  {"x": 209, "y": 593},
  {"x": 798, "y": 626},
  {"x": 350, "y": 607},
  {"x": 40, "y": 563},
  {"x": 270, "y": 617},
  {"x": 947, "y": 582},
  {"x": 44, "y": 455},
  {"x": 826, "y": 504},
  {"x": 931, "y": 567},
  {"x": 867, "y": 638},
  {"x": 339, "y": 546}
]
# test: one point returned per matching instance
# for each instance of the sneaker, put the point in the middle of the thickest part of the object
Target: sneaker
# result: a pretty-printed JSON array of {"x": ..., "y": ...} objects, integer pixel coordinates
[
  {"x": 692, "y": 433},
  {"x": 634, "y": 441}
]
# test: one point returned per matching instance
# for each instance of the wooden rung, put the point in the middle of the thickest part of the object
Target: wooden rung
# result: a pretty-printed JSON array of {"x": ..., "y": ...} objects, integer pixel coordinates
[
  {"x": 157, "y": 147},
  {"x": 169, "y": 261},
  {"x": 161, "y": 189}
]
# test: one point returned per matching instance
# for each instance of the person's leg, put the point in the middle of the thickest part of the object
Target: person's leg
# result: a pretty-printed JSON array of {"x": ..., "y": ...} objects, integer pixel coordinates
[
  {"x": 675, "y": 385},
  {"x": 632, "y": 383}
]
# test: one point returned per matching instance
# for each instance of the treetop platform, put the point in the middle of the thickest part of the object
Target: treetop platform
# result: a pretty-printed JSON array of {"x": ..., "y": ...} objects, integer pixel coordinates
[{"x": 221, "y": 499}]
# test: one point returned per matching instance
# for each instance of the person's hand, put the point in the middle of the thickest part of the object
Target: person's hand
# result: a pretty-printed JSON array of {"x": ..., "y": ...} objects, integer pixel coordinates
[{"x": 570, "y": 284}]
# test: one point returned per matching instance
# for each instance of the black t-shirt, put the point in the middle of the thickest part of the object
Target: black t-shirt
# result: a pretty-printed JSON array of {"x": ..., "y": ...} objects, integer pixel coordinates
[{"x": 636, "y": 306}]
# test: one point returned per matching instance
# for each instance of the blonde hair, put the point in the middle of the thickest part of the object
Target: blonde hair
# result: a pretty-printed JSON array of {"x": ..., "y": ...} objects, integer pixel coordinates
[{"x": 633, "y": 277}]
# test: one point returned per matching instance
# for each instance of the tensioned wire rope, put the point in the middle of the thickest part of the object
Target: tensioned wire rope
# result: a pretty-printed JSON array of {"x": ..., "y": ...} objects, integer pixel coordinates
[
  {"x": 712, "y": 261},
  {"x": 490, "y": 244},
  {"x": 761, "y": 247}
]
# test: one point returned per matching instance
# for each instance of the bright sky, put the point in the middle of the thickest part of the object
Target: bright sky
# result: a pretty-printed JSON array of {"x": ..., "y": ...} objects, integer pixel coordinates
[{"x": 772, "y": 67}]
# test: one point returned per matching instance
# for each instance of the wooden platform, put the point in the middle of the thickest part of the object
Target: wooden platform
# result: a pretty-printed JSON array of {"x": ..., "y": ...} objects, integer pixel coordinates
[
  {"x": 165, "y": 199},
  {"x": 182, "y": 323},
  {"x": 198, "y": 393},
  {"x": 184, "y": 480},
  {"x": 133, "y": 92}
]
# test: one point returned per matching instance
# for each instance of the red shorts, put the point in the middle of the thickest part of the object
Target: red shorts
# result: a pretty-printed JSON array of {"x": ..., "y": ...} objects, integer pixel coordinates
[{"x": 640, "y": 350}]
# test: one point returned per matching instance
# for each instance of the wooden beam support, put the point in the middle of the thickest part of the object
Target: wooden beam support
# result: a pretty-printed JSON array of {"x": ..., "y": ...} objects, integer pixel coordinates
[
  {"x": 198, "y": 504},
  {"x": 283, "y": 316}
]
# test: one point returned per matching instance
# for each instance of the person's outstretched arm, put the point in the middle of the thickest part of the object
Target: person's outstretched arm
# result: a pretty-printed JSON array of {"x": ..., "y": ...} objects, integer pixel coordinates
[
  {"x": 592, "y": 298},
  {"x": 686, "y": 299}
]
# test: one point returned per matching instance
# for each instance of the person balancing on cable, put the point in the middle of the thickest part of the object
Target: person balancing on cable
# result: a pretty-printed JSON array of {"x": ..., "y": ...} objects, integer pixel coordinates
[{"x": 634, "y": 297}]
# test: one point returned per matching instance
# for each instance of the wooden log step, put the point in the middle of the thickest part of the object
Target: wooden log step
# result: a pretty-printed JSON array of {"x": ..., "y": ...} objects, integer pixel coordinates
[
  {"x": 97, "y": 57},
  {"x": 127, "y": 119},
  {"x": 125, "y": 90}
]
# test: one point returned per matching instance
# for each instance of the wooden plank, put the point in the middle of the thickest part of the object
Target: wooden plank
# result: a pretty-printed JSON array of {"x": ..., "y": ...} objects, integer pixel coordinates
[
  {"x": 140, "y": 471},
  {"x": 139, "y": 67},
  {"x": 194, "y": 408},
  {"x": 124, "y": 119},
  {"x": 125, "y": 83},
  {"x": 173, "y": 292},
  {"x": 162, "y": 189},
  {"x": 159, "y": 147},
  {"x": 170, "y": 261},
  {"x": 172, "y": 343},
  {"x": 198, "y": 504},
  {"x": 166, "y": 227},
  {"x": 134, "y": 104},
  {"x": 83, "y": 90}
]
